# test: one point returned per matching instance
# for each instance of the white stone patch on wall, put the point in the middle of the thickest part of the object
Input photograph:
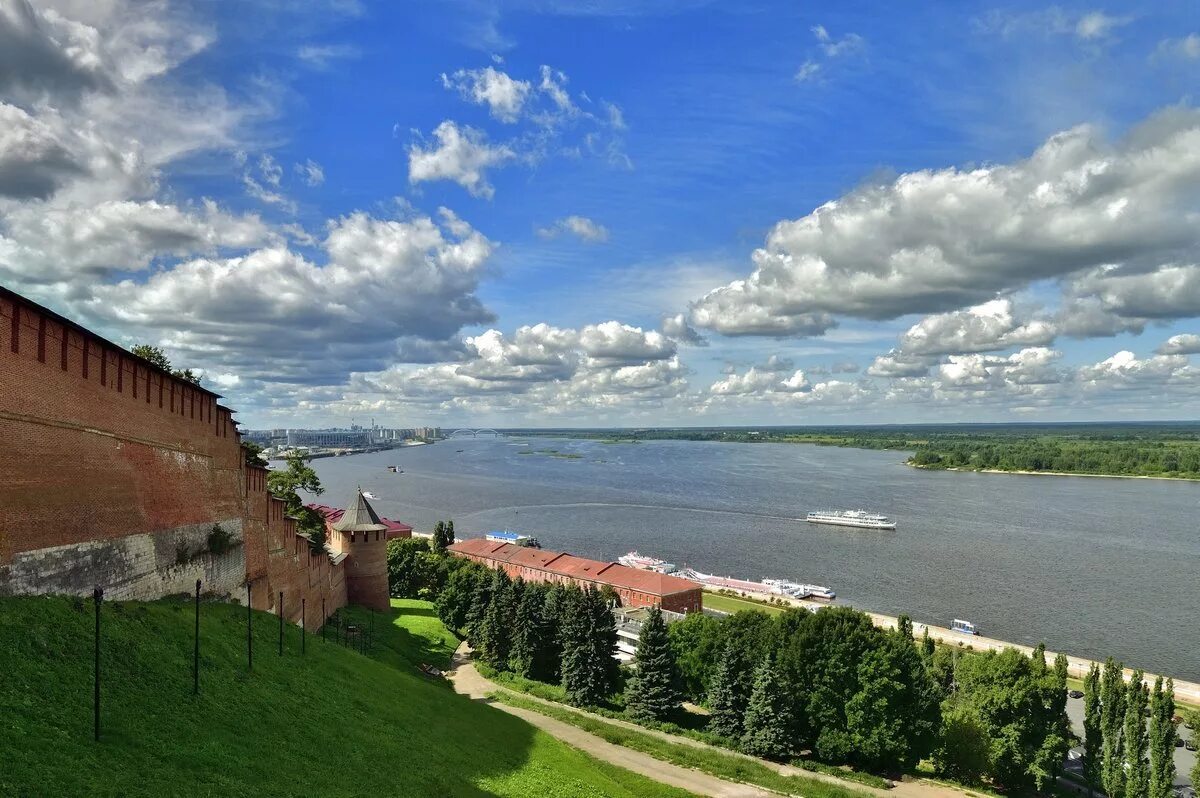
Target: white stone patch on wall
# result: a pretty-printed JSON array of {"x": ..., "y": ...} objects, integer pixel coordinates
[{"x": 135, "y": 567}]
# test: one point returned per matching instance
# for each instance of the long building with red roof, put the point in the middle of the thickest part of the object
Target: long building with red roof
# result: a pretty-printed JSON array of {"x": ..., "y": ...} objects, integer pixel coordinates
[{"x": 637, "y": 588}]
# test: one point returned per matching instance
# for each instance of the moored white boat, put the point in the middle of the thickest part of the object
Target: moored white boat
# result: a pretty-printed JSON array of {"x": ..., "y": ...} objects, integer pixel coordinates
[
  {"x": 964, "y": 627},
  {"x": 635, "y": 560}
]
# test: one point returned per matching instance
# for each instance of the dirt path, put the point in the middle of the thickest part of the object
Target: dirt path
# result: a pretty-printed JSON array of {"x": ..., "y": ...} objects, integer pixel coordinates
[{"x": 468, "y": 681}]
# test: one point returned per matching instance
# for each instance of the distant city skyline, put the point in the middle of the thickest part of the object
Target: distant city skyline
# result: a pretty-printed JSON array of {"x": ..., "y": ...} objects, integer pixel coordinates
[{"x": 682, "y": 213}]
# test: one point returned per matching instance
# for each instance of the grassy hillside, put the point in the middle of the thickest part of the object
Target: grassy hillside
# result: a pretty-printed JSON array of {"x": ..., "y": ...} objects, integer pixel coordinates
[{"x": 332, "y": 722}]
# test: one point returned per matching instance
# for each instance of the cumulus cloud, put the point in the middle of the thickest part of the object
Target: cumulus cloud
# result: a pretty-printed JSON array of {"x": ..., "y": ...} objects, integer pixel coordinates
[
  {"x": 677, "y": 327},
  {"x": 776, "y": 375},
  {"x": 899, "y": 364},
  {"x": 548, "y": 121},
  {"x": 34, "y": 158},
  {"x": 581, "y": 227},
  {"x": 45, "y": 245},
  {"x": 1126, "y": 370},
  {"x": 981, "y": 328},
  {"x": 555, "y": 370},
  {"x": 274, "y": 315},
  {"x": 1169, "y": 292},
  {"x": 1183, "y": 344},
  {"x": 935, "y": 241},
  {"x": 504, "y": 96},
  {"x": 462, "y": 154}
]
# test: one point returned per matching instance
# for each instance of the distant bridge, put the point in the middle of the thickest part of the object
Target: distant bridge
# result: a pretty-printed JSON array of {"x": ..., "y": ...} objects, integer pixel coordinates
[{"x": 475, "y": 433}]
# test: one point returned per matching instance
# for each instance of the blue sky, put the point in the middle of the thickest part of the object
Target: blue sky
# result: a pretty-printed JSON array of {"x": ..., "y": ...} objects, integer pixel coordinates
[{"x": 607, "y": 212}]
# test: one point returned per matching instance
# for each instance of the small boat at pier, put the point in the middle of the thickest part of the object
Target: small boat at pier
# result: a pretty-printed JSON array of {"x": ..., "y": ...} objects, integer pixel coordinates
[
  {"x": 515, "y": 538},
  {"x": 963, "y": 627}
]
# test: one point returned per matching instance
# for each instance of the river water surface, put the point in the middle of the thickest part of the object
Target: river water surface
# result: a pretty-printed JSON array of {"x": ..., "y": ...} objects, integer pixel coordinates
[{"x": 1094, "y": 567}]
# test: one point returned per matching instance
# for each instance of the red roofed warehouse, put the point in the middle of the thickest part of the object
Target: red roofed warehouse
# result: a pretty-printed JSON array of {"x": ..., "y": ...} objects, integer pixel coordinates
[{"x": 637, "y": 588}]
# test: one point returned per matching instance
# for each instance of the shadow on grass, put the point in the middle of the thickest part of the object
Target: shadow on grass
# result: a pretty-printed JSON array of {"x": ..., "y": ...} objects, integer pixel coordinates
[{"x": 363, "y": 727}]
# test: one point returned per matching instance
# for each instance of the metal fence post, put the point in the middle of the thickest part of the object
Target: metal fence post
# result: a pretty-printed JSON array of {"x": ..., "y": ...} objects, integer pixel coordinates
[
  {"x": 324, "y": 618},
  {"x": 281, "y": 623},
  {"x": 97, "y": 597},
  {"x": 303, "y": 630},
  {"x": 196, "y": 650},
  {"x": 249, "y": 630}
]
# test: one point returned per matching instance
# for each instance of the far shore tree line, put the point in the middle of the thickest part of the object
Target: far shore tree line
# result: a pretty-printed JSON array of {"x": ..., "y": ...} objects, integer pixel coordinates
[
  {"x": 830, "y": 684},
  {"x": 1112, "y": 449}
]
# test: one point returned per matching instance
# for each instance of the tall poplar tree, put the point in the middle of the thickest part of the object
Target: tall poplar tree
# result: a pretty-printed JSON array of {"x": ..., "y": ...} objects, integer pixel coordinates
[
  {"x": 1093, "y": 736},
  {"x": 1162, "y": 740},
  {"x": 652, "y": 692},
  {"x": 1137, "y": 774},
  {"x": 1112, "y": 724},
  {"x": 768, "y": 715}
]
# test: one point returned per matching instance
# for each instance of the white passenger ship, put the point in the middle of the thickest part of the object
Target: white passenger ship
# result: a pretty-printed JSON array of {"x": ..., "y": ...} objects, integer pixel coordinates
[
  {"x": 856, "y": 518},
  {"x": 635, "y": 560}
]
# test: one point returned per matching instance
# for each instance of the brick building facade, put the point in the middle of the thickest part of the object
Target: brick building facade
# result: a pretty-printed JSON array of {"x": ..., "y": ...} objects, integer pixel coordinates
[
  {"x": 113, "y": 473},
  {"x": 636, "y": 588}
]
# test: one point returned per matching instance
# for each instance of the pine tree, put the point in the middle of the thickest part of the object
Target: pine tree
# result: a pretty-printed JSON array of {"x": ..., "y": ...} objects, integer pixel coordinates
[
  {"x": 496, "y": 633},
  {"x": 1093, "y": 736},
  {"x": 575, "y": 639},
  {"x": 603, "y": 634},
  {"x": 727, "y": 696},
  {"x": 651, "y": 693},
  {"x": 532, "y": 637},
  {"x": 768, "y": 714},
  {"x": 1112, "y": 719},
  {"x": 1162, "y": 740},
  {"x": 1137, "y": 778},
  {"x": 481, "y": 598}
]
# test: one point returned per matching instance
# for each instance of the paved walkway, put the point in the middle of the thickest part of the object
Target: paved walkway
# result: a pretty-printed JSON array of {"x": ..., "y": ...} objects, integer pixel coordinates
[{"x": 468, "y": 681}]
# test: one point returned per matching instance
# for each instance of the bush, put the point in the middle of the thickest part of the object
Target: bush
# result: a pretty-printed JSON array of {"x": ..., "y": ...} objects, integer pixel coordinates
[{"x": 220, "y": 540}]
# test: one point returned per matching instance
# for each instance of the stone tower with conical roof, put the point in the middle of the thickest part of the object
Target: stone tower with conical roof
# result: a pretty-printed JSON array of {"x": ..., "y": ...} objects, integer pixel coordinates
[{"x": 361, "y": 536}]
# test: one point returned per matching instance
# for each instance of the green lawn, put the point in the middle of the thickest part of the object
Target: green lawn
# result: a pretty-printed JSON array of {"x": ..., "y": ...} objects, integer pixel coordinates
[
  {"x": 409, "y": 635},
  {"x": 714, "y": 762},
  {"x": 716, "y": 601},
  {"x": 332, "y": 722}
]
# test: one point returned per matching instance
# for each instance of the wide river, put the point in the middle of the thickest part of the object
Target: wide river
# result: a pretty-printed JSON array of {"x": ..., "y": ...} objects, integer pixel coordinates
[{"x": 1093, "y": 567}]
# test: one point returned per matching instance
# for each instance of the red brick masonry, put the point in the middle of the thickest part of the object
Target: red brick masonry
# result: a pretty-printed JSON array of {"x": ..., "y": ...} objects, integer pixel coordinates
[
  {"x": 108, "y": 464},
  {"x": 637, "y": 588}
]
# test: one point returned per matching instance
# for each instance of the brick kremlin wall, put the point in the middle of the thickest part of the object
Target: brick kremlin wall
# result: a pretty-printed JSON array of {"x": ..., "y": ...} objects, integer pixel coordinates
[{"x": 113, "y": 473}]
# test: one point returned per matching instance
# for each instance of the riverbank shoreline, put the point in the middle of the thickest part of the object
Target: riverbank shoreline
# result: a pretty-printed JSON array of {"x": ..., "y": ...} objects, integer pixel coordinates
[
  {"x": 1077, "y": 667},
  {"x": 1047, "y": 473}
]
